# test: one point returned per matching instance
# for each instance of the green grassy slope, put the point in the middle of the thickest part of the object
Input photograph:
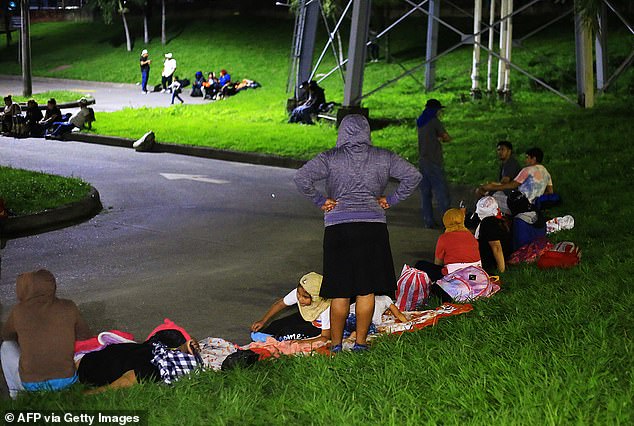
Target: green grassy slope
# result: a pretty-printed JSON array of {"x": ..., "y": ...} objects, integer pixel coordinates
[{"x": 554, "y": 347}]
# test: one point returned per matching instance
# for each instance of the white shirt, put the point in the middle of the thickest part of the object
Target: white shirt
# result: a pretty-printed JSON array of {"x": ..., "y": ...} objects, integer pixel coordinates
[
  {"x": 381, "y": 304},
  {"x": 169, "y": 66},
  {"x": 322, "y": 322}
]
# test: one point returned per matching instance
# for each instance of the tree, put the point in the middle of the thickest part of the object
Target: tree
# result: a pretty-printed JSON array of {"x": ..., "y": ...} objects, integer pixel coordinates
[
  {"x": 163, "y": 36},
  {"x": 147, "y": 14},
  {"x": 109, "y": 7}
]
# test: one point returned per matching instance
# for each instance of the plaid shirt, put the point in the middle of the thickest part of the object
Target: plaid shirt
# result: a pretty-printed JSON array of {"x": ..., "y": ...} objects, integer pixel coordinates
[{"x": 172, "y": 363}]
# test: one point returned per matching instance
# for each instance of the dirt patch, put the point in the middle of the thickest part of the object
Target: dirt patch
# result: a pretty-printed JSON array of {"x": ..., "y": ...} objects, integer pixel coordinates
[{"x": 60, "y": 68}]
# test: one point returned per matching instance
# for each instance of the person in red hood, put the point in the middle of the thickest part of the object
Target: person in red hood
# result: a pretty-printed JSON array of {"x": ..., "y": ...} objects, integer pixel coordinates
[{"x": 39, "y": 336}]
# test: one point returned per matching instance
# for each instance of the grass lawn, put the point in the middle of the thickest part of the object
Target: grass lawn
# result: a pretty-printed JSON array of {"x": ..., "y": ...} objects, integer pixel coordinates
[
  {"x": 554, "y": 347},
  {"x": 26, "y": 191},
  {"x": 61, "y": 96}
]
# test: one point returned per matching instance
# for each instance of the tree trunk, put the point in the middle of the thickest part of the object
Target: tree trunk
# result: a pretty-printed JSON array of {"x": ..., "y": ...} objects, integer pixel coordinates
[
  {"x": 146, "y": 32},
  {"x": 7, "y": 26},
  {"x": 128, "y": 41},
  {"x": 147, "y": 14},
  {"x": 163, "y": 36}
]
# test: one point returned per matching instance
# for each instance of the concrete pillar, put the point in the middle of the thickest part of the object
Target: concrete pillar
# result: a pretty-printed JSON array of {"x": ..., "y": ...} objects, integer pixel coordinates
[
  {"x": 308, "y": 34},
  {"x": 475, "y": 66},
  {"x": 491, "y": 37},
  {"x": 357, "y": 51},
  {"x": 501, "y": 65},
  {"x": 431, "y": 44},
  {"x": 25, "y": 43},
  {"x": 583, "y": 50},
  {"x": 600, "y": 47}
]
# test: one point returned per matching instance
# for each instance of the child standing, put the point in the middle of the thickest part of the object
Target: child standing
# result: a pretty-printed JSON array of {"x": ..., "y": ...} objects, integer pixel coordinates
[{"x": 177, "y": 88}]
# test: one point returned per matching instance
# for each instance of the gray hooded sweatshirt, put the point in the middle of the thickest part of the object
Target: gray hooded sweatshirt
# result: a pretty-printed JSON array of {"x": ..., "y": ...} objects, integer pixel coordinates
[{"x": 356, "y": 175}]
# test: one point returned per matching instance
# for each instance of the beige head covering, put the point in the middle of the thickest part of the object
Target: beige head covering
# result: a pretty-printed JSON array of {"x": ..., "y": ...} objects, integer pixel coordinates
[
  {"x": 311, "y": 282},
  {"x": 453, "y": 219}
]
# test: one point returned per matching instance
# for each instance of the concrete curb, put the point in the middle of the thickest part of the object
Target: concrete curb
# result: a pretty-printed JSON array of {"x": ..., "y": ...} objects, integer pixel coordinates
[
  {"x": 190, "y": 150},
  {"x": 50, "y": 220}
]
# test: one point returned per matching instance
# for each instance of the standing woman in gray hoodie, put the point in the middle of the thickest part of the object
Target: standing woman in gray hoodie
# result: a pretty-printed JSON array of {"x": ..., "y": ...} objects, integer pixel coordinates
[{"x": 357, "y": 255}]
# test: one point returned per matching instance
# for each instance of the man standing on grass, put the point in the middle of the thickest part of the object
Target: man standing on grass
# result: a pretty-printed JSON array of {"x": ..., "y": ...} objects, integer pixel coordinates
[
  {"x": 431, "y": 133},
  {"x": 145, "y": 70}
]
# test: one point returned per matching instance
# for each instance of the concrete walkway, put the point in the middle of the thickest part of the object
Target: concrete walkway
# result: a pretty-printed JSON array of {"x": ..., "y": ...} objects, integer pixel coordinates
[{"x": 109, "y": 96}]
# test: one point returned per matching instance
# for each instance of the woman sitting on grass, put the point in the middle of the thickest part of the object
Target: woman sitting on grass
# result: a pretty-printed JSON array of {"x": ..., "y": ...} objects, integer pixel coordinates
[
  {"x": 311, "y": 322},
  {"x": 455, "y": 249},
  {"x": 493, "y": 235}
]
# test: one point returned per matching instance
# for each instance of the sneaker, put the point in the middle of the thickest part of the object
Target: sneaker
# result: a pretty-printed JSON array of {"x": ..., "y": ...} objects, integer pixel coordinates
[
  {"x": 336, "y": 349},
  {"x": 145, "y": 92},
  {"x": 163, "y": 90}
]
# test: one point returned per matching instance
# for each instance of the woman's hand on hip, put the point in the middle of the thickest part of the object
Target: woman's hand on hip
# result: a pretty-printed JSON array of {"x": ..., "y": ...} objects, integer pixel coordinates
[
  {"x": 383, "y": 203},
  {"x": 328, "y": 205}
]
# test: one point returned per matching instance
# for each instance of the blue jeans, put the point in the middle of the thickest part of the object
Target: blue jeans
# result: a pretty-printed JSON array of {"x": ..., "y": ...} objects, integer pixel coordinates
[
  {"x": 433, "y": 182},
  {"x": 145, "y": 74},
  {"x": 60, "y": 127}
]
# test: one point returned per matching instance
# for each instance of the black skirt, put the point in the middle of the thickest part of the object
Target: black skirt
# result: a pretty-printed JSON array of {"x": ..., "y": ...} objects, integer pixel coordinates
[{"x": 357, "y": 261}]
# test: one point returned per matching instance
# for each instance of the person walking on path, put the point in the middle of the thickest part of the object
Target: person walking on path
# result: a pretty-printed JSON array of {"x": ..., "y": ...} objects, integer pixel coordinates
[
  {"x": 145, "y": 70},
  {"x": 176, "y": 88},
  {"x": 169, "y": 68},
  {"x": 357, "y": 256},
  {"x": 431, "y": 133}
]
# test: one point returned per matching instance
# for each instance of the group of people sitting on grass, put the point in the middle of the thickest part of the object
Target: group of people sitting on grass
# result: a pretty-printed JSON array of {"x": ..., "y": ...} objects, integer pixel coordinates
[
  {"x": 213, "y": 87},
  {"x": 353, "y": 294},
  {"x": 507, "y": 216},
  {"x": 51, "y": 124}
]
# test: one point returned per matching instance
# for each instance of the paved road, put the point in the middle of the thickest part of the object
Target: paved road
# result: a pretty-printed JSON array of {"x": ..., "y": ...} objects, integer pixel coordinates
[
  {"x": 211, "y": 254},
  {"x": 109, "y": 96}
]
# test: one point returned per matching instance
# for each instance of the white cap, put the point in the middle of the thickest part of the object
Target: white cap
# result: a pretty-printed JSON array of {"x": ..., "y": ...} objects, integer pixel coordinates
[
  {"x": 168, "y": 55},
  {"x": 144, "y": 52}
]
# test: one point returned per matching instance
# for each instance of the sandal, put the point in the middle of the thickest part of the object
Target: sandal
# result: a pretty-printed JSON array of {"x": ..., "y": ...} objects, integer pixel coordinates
[{"x": 359, "y": 348}]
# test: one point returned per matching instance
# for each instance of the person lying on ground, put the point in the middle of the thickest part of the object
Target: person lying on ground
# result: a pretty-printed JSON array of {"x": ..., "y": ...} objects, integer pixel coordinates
[
  {"x": 456, "y": 248},
  {"x": 383, "y": 305},
  {"x": 493, "y": 235},
  {"x": 533, "y": 180},
  {"x": 168, "y": 353},
  {"x": 39, "y": 336},
  {"x": 312, "y": 322}
]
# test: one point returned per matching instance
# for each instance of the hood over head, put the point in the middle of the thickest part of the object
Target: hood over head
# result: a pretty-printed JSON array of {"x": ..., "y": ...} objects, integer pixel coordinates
[
  {"x": 354, "y": 131},
  {"x": 37, "y": 284}
]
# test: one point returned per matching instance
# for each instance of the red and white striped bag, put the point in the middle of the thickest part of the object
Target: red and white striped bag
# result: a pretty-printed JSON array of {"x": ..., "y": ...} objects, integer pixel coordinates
[{"x": 412, "y": 288}]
